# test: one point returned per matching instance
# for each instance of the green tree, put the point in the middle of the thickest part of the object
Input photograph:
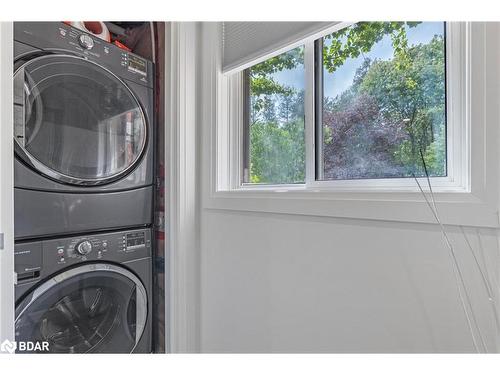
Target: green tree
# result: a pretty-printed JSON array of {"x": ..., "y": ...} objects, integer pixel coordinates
[
  {"x": 351, "y": 42},
  {"x": 393, "y": 109},
  {"x": 277, "y": 145},
  {"x": 410, "y": 92},
  {"x": 346, "y": 43},
  {"x": 261, "y": 75},
  {"x": 277, "y": 152}
]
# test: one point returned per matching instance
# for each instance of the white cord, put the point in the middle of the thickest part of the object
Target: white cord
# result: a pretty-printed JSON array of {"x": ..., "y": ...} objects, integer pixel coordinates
[
  {"x": 456, "y": 270},
  {"x": 468, "y": 299},
  {"x": 483, "y": 276},
  {"x": 487, "y": 278}
]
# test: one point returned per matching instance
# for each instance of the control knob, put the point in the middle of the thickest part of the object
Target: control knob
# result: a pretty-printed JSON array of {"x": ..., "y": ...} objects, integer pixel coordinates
[
  {"x": 86, "y": 41},
  {"x": 84, "y": 247}
]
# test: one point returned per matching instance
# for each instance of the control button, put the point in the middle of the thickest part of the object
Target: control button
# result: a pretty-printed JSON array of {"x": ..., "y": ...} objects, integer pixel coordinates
[
  {"x": 104, "y": 244},
  {"x": 84, "y": 247},
  {"x": 86, "y": 41},
  {"x": 60, "y": 251},
  {"x": 62, "y": 259}
]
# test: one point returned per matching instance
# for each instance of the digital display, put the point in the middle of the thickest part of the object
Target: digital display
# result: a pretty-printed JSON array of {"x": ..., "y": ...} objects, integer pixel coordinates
[
  {"x": 135, "y": 239},
  {"x": 136, "y": 64}
]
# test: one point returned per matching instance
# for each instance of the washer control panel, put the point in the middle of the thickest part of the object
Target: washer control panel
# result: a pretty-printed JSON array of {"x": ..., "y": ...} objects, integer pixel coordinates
[
  {"x": 35, "y": 259},
  {"x": 86, "y": 41},
  {"x": 116, "y": 247},
  {"x": 84, "y": 247}
]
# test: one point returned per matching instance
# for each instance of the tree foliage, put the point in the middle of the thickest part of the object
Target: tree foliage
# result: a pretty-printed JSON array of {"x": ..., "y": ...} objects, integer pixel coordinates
[
  {"x": 346, "y": 43},
  {"x": 376, "y": 128},
  {"x": 277, "y": 152},
  {"x": 261, "y": 75},
  {"x": 351, "y": 42},
  {"x": 277, "y": 149},
  {"x": 407, "y": 96}
]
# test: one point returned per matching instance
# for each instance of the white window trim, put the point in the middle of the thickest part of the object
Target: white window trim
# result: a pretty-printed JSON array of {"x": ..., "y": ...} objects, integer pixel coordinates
[
  {"x": 182, "y": 216},
  {"x": 468, "y": 197}
]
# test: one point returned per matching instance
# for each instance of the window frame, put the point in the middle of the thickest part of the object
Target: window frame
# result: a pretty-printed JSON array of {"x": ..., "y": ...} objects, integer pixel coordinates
[
  {"x": 456, "y": 179},
  {"x": 470, "y": 198}
]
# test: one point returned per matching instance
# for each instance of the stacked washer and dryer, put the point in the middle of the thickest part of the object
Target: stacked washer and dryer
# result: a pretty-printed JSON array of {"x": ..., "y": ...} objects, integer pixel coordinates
[{"x": 83, "y": 128}]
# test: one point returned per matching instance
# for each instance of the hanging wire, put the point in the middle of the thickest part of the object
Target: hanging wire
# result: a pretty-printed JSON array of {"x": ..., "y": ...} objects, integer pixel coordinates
[
  {"x": 457, "y": 279},
  {"x": 452, "y": 253},
  {"x": 497, "y": 246},
  {"x": 483, "y": 259},
  {"x": 486, "y": 281},
  {"x": 464, "y": 300},
  {"x": 486, "y": 277},
  {"x": 483, "y": 276}
]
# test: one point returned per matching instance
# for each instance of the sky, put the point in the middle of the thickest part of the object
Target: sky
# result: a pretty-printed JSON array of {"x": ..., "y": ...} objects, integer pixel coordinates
[{"x": 335, "y": 83}]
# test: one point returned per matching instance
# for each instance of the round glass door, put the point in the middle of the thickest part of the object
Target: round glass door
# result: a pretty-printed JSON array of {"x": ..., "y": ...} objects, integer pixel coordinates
[
  {"x": 90, "y": 309},
  {"x": 75, "y": 121}
]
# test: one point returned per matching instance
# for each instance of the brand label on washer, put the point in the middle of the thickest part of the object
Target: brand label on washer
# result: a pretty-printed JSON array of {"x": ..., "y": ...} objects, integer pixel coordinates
[{"x": 137, "y": 65}]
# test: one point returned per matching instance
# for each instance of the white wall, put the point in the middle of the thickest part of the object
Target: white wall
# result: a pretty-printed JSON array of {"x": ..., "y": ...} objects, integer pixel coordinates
[
  {"x": 296, "y": 283},
  {"x": 284, "y": 283}
]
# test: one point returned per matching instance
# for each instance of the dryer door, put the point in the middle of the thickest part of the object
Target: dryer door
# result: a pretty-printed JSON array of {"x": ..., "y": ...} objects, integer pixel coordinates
[
  {"x": 96, "y": 308},
  {"x": 75, "y": 121}
]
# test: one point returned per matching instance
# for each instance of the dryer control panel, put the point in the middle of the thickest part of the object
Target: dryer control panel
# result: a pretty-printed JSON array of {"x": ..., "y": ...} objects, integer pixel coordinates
[
  {"x": 35, "y": 259},
  {"x": 57, "y": 36}
]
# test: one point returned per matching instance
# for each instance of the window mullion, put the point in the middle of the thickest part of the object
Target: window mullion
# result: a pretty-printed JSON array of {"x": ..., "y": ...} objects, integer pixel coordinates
[
  {"x": 309, "y": 113},
  {"x": 245, "y": 136},
  {"x": 318, "y": 109}
]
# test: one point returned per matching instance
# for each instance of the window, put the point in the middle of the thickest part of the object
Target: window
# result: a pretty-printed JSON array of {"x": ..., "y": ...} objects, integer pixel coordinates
[
  {"x": 463, "y": 173},
  {"x": 274, "y": 121},
  {"x": 379, "y": 105},
  {"x": 381, "y": 102}
]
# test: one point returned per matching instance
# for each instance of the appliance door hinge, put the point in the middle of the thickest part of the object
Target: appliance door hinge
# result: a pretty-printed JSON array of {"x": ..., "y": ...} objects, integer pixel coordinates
[{"x": 2, "y": 241}]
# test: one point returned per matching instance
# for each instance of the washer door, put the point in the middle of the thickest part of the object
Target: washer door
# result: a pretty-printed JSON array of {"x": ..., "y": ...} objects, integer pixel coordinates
[
  {"x": 75, "y": 121},
  {"x": 97, "y": 308}
]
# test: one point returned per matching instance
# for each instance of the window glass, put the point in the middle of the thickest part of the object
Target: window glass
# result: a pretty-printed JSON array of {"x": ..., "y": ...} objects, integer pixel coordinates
[
  {"x": 274, "y": 151},
  {"x": 383, "y": 104}
]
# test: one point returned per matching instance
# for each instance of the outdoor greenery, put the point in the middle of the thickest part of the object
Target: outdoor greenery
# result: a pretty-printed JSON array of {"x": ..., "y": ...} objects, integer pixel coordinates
[
  {"x": 277, "y": 147},
  {"x": 393, "y": 112}
]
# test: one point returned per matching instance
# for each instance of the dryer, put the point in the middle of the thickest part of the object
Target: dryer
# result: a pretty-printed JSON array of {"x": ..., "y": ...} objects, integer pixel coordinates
[
  {"x": 85, "y": 294},
  {"x": 83, "y": 128}
]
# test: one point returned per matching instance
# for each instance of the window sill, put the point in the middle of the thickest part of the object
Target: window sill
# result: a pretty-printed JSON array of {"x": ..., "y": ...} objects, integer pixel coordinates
[
  {"x": 387, "y": 185},
  {"x": 455, "y": 208}
]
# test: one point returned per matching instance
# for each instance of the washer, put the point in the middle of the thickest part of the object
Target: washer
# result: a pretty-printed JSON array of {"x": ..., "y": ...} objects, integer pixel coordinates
[
  {"x": 85, "y": 294},
  {"x": 83, "y": 127}
]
